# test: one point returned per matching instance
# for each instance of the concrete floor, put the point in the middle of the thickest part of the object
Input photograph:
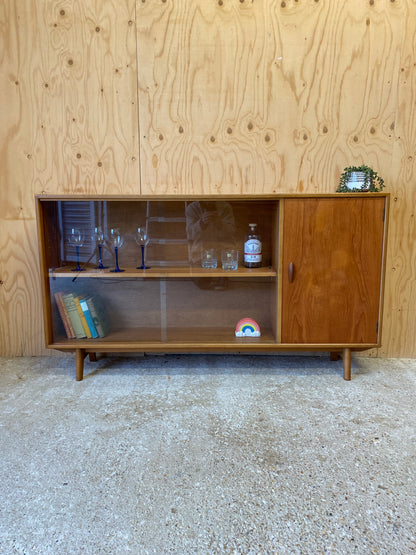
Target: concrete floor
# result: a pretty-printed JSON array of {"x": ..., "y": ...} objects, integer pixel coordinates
[{"x": 207, "y": 454}]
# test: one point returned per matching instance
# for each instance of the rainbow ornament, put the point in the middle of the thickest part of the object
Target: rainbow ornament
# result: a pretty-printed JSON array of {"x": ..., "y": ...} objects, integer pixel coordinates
[{"x": 247, "y": 327}]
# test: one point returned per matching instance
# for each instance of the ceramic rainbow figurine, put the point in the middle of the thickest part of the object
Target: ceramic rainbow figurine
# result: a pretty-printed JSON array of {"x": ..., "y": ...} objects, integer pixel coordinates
[{"x": 247, "y": 327}]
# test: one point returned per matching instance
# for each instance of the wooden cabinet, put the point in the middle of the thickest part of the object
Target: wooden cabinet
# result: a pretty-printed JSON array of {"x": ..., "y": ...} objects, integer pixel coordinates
[{"x": 319, "y": 286}]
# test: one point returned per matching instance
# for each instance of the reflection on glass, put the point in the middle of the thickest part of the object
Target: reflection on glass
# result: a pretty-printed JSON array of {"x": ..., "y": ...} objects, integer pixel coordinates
[
  {"x": 142, "y": 240},
  {"x": 209, "y": 224},
  {"x": 76, "y": 239},
  {"x": 99, "y": 240},
  {"x": 116, "y": 240}
]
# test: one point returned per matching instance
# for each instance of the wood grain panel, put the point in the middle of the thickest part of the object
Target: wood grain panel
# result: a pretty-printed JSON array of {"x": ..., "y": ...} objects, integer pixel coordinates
[
  {"x": 265, "y": 96},
  {"x": 399, "y": 327},
  {"x": 70, "y": 73},
  {"x": 335, "y": 249},
  {"x": 16, "y": 173},
  {"x": 21, "y": 326}
]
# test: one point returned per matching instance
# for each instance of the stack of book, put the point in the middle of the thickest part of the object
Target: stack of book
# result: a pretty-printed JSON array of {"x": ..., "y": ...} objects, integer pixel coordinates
[{"x": 83, "y": 316}]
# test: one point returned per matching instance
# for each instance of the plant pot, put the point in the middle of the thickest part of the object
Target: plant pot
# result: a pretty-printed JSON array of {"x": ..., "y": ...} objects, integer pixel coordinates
[{"x": 358, "y": 180}]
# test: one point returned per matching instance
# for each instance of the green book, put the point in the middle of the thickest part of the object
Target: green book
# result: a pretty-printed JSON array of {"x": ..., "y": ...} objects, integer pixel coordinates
[{"x": 73, "y": 314}]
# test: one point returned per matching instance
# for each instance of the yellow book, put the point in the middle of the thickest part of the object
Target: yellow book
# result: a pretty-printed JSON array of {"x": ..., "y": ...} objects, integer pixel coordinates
[{"x": 82, "y": 317}]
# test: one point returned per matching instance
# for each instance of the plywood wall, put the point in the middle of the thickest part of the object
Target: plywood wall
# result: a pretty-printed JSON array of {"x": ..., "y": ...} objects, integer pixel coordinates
[
  {"x": 202, "y": 96},
  {"x": 68, "y": 124},
  {"x": 400, "y": 298},
  {"x": 264, "y": 96}
]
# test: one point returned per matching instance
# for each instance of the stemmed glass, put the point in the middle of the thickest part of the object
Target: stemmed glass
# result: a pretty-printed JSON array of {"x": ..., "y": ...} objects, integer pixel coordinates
[
  {"x": 116, "y": 240},
  {"x": 76, "y": 239},
  {"x": 142, "y": 240},
  {"x": 99, "y": 239}
]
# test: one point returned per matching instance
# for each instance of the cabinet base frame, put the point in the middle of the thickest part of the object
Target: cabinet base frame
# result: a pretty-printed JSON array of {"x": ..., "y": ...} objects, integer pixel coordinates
[
  {"x": 80, "y": 355},
  {"x": 346, "y": 360},
  {"x": 79, "y": 364}
]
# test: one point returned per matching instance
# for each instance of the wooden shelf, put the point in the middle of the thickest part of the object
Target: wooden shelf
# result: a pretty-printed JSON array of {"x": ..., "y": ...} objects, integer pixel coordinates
[
  {"x": 161, "y": 339},
  {"x": 163, "y": 272}
]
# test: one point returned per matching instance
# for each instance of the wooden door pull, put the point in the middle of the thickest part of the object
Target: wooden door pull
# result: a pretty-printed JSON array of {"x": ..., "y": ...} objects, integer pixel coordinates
[{"x": 291, "y": 272}]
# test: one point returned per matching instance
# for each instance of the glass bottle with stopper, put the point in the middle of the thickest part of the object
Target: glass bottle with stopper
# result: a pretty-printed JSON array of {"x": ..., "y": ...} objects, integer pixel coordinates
[{"x": 252, "y": 248}]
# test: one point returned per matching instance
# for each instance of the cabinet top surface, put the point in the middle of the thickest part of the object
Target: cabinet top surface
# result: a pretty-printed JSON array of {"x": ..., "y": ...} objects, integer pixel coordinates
[{"x": 239, "y": 197}]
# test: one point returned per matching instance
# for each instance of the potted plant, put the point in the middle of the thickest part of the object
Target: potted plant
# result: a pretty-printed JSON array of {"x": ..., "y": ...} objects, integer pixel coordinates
[{"x": 360, "y": 178}]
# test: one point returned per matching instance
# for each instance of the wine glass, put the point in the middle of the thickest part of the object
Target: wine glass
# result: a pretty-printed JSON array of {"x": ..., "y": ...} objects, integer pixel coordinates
[
  {"x": 99, "y": 239},
  {"x": 76, "y": 239},
  {"x": 142, "y": 240},
  {"x": 116, "y": 240}
]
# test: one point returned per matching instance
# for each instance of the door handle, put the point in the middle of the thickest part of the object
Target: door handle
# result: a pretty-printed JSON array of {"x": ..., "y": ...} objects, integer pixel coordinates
[{"x": 291, "y": 272}]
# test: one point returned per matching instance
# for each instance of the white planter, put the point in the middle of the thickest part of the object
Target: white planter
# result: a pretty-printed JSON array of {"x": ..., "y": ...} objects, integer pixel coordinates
[{"x": 357, "y": 181}]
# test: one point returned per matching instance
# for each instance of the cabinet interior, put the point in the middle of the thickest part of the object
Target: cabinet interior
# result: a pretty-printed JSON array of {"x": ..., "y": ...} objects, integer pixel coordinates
[{"x": 175, "y": 300}]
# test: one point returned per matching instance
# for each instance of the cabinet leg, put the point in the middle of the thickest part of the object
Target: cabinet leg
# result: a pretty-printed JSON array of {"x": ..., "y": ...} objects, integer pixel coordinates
[
  {"x": 79, "y": 364},
  {"x": 334, "y": 357},
  {"x": 93, "y": 357},
  {"x": 346, "y": 359}
]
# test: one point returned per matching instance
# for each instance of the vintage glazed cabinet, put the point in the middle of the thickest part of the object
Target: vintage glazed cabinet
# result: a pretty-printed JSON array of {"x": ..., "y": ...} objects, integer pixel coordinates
[{"x": 319, "y": 287}]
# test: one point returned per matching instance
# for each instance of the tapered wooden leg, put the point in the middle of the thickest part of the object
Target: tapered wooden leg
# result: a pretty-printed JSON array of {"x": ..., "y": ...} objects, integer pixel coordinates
[
  {"x": 93, "y": 357},
  {"x": 346, "y": 359},
  {"x": 334, "y": 356},
  {"x": 79, "y": 364}
]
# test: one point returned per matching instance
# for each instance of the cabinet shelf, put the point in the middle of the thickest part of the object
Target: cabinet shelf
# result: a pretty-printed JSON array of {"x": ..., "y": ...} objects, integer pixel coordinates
[
  {"x": 163, "y": 272},
  {"x": 195, "y": 338}
]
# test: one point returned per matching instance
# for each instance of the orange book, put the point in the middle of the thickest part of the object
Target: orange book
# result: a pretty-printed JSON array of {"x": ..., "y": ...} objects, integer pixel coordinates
[
  {"x": 68, "y": 319},
  {"x": 64, "y": 316}
]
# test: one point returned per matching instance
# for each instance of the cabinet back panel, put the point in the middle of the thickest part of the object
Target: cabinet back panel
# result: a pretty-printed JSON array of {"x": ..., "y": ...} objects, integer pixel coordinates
[{"x": 219, "y": 302}]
